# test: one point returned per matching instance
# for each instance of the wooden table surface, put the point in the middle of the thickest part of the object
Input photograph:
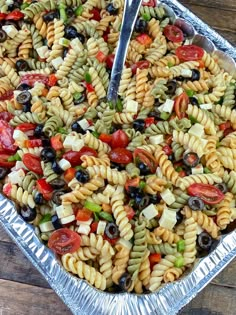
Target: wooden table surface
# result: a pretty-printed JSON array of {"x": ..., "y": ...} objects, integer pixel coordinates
[{"x": 24, "y": 291}]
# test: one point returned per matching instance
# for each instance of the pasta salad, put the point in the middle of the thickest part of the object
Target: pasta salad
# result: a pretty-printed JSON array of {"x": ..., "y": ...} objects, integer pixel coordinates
[{"x": 128, "y": 195}]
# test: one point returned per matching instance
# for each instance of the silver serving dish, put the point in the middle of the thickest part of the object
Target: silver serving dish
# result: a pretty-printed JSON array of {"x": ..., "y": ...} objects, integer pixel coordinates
[{"x": 78, "y": 295}]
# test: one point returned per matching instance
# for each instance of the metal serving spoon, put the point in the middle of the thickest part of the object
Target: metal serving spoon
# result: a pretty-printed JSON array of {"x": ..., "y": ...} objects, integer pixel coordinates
[{"x": 131, "y": 10}]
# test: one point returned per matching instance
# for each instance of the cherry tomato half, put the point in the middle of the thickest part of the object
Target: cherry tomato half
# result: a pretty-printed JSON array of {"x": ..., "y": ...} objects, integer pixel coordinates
[
  {"x": 74, "y": 156},
  {"x": 24, "y": 127},
  {"x": 64, "y": 241},
  {"x": 83, "y": 214},
  {"x": 134, "y": 182},
  {"x": 15, "y": 15},
  {"x": 121, "y": 156},
  {"x": 119, "y": 139},
  {"x": 44, "y": 188},
  {"x": 3, "y": 16},
  {"x": 6, "y": 116},
  {"x": 33, "y": 143},
  {"x": 144, "y": 39},
  {"x": 6, "y": 137},
  {"x": 130, "y": 213},
  {"x": 4, "y": 161},
  {"x": 33, "y": 163},
  {"x": 181, "y": 105},
  {"x": 173, "y": 33},
  {"x": 210, "y": 194},
  {"x": 149, "y": 3},
  {"x": 31, "y": 79},
  {"x": 69, "y": 174},
  {"x": 143, "y": 64},
  {"x": 189, "y": 52},
  {"x": 146, "y": 158},
  {"x": 7, "y": 96}
]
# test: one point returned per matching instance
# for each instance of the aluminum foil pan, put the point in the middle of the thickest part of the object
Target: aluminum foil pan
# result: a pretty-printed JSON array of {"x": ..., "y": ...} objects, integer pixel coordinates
[{"x": 78, "y": 295}]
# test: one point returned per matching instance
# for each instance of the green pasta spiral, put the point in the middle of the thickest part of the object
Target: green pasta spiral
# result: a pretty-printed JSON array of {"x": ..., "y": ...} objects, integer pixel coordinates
[
  {"x": 164, "y": 248},
  {"x": 52, "y": 125},
  {"x": 132, "y": 170},
  {"x": 48, "y": 173},
  {"x": 178, "y": 150},
  {"x": 26, "y": 117}
]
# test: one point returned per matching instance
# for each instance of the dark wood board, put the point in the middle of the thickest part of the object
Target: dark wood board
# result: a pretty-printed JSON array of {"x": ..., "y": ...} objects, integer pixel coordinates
[{"x": 24, "y": 291}]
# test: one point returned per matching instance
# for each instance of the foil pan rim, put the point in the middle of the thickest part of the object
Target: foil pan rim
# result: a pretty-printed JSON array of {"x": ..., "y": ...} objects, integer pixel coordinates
[{"x": 82, "y": 298}]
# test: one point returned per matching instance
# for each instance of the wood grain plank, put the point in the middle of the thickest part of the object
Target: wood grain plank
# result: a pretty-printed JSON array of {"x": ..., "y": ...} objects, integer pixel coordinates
[
  {"x": 212, "y": 300},
  {"x": 16, "y": 267},
  {"x": 221, "y": 5},
  {"x": 26, "y": 299}
]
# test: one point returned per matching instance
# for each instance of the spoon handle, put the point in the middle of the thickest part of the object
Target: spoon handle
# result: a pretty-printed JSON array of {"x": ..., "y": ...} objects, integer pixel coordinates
[{"x": 131, "y": 10}]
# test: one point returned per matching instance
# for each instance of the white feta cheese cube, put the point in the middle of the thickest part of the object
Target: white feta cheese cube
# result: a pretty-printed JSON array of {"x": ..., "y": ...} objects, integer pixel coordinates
[
  {"x": 198, "y": 169},
  {"x": 16, "y": 177},
  {"x": 84, "y": 124},
  {"x": 19, "y": 135},
  {"x": 83, "y": 229},
  {"x": 158, "y": 139},
  {"x": 168, "y": 219},
  {"x": 197, "y": 130},
  {"x": 10, "y": 30},
  {"x": 203, "y": 142},
  {"x": 78, "y": 144},
  {"x": 88, "y": 222},
  {"x": 46, "y": 227},
  {"x": 125, "y": 243},
  {"x": 206, "y": 106},
  {"x": 150, "y": 212},
  {"x": 43, "y": 52},
  {"x": 68, "y": 219},
  {"x": 168, "y": 106},
  {"x": 101, "y": 227},
  {"x": 64, "y": 211},
  {"x": 57, "y": 62},
  {"x": 167, "y": 196},
  {"x": 69, "y": 141},
  {"x": 20, "y": 165},
  {"x": 186, "y": 73},
  {"x": 131, "y": 106},
  {"x": 64, "y": 164}
]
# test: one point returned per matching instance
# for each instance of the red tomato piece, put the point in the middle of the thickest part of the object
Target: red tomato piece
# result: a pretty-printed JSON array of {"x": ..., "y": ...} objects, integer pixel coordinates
[
  {"x": 149, "y": 121},
  {"x": 64, "y": 241},
  {"x": 143, "y": 64},
  {"x": 15, "y": 15},
  {"x": 44, "y": 188},
  {"x": 110, "y": 61},
  {"x": 167, "y": 149},
  {"x": 83, "y": 214},
  {"x": 52, "y": 80},
  {"x": 173, "y": 33},
  {"x": 225, "y": 125},
  {"x": 181, "y": 105},
  {"x": 4, "y": 161},
  {"x": 33, "y": 143},
  {"x": 100, "y": 56},
  {"x": 33, "y": 163},
  {"x": 189, "y": 52},
  {"x": 129, "y": 212},
  {"x": 182, "y": 173},
  {"x": 149, "y": 3},
  {"x": 134, "y": 182},
  {"x": 74, "y": 156},
  {"x": 31, "y": 79},
  {"x": 3, "y": 16},
  {"x": 7, "y": 96},
  {"x": 89, "y": 87},
  {"x": 96, "y": 14},
  {"x": 228, "y": 131},
  {"x": 24, "y": 127},
  {"x": 56, "y": 142},
  {"x": 6, "y": 116},
  {"x": 105, "y": 138},
  {"x": 121, "y": 156},
  {"x": 210, "y": 194},
  {"x": 6, "y": 137},
  {"x": 119, "y": 139},
  {"x": 93, "y": 227},
  {"x": 154, "y": 259},
  {"x": 112, "y": 242},
  {"x": 144, "y": 39},
  {"x": 69, "y": 174},
  {"x": 146, "y": 158}
]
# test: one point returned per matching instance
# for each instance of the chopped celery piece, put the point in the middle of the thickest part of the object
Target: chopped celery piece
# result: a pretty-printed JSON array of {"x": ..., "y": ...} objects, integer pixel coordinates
[
  {"x": 119, "y": 105},
  {"x": 87, "y": 77},
  {"x": 14, "y": 157},
  {"x": 106, "y": 216},
  {"x": 206, "y": 170},
  {"x": 181, "y": 246},
  {"x": 190, "y": 93},
  {"x": 77, "y": 95},
  {"x": 79, "y": 10},
  {"x": 95, "y": 134},
  {"x": 142, "y": 184},
  {"x": 62, "y": 130},
  {"x": 46, "y": 218},
  {"x": 192, "y": 119},
  {"x": 146, "y": 17},
  {"x": 179, "y": 262},
  {"x": 164, "y": 115}
]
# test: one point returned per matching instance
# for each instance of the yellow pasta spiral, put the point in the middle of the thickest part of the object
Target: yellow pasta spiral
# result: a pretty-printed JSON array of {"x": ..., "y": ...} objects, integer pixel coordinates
[
  {"x": 189, "y": 141},
  {"x": 166, "y": 235},
  {"x": 224, "y": 212},
  {"x": 202, "y": 118},
  {"x": 120, "y": 262},
  {"x": 95, "y": 143},
  {"x": 173, "y": 274},
  {"x": 112, "y": 175},
  {"x": 154, "y": 185},
  {"x": 212, "y": 159},
  {"x": 141, "y": 79},
  {"x": 190, "y": 237}
]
